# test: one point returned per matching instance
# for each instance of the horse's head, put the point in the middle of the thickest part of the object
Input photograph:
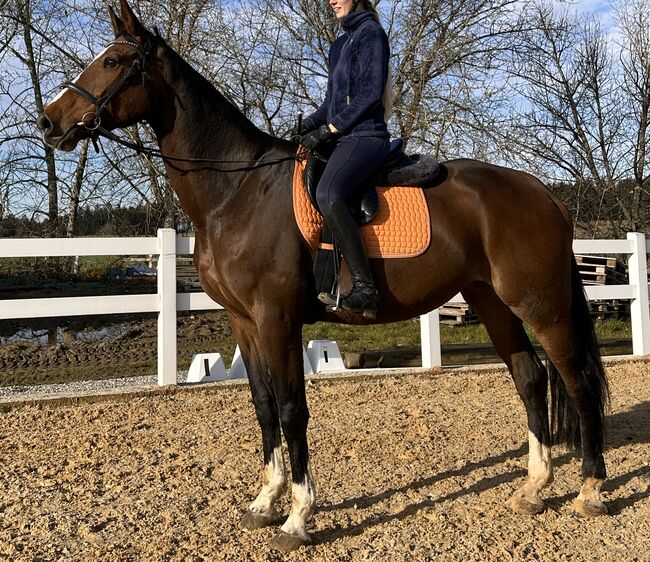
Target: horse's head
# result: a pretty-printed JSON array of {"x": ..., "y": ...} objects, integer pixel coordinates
[{"x": 110, "y": 92}]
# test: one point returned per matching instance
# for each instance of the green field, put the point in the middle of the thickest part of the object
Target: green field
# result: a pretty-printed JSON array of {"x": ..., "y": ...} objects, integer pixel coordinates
[{"x": 407, "y": 333}]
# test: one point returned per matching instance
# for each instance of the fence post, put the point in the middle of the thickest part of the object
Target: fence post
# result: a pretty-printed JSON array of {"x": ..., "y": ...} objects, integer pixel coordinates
[
  {"x": 637, "y": 266},
  {"x": 430, "y": 339},
  {"x": 167, "y": 303}
]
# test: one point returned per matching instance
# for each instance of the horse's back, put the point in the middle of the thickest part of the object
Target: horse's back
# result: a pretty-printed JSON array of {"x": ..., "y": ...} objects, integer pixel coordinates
[
  {"x": 488, "y": 224},
  {"x": 515, "y": 230},
  {"x": 498, "y": 204}
]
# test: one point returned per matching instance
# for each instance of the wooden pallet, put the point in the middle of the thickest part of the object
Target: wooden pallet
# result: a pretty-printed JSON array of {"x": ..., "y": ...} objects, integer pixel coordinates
[
  {"x": 615, "y": 309},
  {"x": 601, "y": 270},
  {"x": 457, "y": 314},
  {"x": 604, "y": 278},
  {"x": 608, "y": 261},
  {"x": 188, "y": 277}
]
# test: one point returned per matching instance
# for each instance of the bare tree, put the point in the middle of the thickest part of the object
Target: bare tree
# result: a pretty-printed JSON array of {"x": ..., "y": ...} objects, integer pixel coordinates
[
  {"x": 569, "y": 121},
  {"x": 634, "y": 24},
  {"x": 501, "y": 80}
]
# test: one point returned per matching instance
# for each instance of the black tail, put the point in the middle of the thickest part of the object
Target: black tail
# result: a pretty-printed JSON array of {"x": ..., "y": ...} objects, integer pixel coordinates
[{"x": 565, "y": 423}]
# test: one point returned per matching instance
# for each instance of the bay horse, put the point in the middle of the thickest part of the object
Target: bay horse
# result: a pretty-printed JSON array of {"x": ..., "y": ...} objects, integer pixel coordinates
[{"x": 498, "y": 236}]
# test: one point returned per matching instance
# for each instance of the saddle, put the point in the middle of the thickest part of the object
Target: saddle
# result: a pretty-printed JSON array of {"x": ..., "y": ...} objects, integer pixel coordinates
[
  {"x": 398, "y": 169},
  {"x": 395, "y": 220}
]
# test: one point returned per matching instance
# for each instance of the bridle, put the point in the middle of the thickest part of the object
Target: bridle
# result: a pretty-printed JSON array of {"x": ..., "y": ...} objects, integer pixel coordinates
[
  {"x": 101, "y": 103},
  {"x": 138, "y": 67}
]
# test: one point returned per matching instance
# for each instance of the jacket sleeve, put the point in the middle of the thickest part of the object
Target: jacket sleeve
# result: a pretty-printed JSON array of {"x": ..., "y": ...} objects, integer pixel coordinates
[
  {"x": 372, "y": 52},
  {"x": 319, "y": 117}
]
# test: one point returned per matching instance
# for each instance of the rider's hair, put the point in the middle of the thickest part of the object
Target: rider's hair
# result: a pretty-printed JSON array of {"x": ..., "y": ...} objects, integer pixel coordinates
[
  {"x": 369, "y": 5},
  {"x": 366, "y": 5}
]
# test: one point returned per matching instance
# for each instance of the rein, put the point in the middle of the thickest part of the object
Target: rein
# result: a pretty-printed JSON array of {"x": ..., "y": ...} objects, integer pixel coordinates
[
  {"x": 101, "y": 103},
  {"x": 158, "y": 153}
]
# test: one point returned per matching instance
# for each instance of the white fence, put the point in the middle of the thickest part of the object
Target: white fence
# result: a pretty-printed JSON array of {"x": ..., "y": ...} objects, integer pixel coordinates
[{"x": 167, "y": 302}]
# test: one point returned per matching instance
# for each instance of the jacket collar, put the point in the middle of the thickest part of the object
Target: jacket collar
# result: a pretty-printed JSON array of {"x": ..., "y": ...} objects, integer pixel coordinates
[{"x": 355, "y": 19}]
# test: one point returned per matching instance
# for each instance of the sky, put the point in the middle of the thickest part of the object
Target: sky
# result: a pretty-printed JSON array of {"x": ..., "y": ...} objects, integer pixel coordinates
[{"x": 601, "y": 8}]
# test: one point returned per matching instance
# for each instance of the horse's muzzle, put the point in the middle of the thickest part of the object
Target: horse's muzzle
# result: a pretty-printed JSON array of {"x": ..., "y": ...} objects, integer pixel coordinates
[{"x": 44, "y": 124}]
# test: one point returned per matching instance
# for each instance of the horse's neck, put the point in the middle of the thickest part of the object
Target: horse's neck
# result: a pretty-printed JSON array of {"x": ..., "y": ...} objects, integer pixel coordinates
[{"x": 195, "y": 121}]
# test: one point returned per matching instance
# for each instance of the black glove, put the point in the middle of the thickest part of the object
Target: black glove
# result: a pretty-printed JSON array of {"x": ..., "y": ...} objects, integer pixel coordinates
[
  {"x": 314, "y": 138},
  {"x": 296, "y": 133}
]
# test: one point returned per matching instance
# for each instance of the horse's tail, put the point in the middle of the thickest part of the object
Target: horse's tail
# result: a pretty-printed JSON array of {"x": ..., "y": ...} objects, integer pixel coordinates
[{"x": 565, "y": 423}]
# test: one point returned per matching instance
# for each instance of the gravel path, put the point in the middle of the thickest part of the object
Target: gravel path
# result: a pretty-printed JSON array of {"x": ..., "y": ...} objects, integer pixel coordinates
[
  {"x": 410, "y": 467},
  {"x": 48, "y": 390}
]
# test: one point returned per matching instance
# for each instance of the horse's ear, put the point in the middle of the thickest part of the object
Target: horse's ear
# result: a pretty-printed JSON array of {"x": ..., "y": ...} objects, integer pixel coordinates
[
  {"x": 133, "y": 25},
  {"x": 118, "y": 25}
]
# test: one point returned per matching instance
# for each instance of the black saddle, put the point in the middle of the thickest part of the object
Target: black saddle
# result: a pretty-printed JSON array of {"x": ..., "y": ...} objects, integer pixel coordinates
[{"x": 397, "y": 169}]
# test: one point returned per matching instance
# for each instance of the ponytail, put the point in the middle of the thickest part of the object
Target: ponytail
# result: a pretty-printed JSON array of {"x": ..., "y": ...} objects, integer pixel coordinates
[{"x": 368, "y": 5}]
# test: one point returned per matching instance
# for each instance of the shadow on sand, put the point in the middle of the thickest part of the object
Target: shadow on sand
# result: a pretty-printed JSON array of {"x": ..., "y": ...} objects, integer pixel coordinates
[{"x": 624, "y": 428}]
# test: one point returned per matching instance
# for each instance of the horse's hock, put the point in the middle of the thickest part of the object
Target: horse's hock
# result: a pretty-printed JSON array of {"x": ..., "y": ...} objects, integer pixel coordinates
[{"x": 408, "y": 468}]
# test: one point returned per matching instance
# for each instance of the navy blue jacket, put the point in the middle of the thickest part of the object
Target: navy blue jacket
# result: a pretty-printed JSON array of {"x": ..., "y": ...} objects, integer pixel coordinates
[{"x": 358, "y": 70}]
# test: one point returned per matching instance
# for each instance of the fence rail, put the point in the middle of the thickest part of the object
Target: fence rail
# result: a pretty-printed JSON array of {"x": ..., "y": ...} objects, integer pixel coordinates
[{"x": 166, "y": 302}]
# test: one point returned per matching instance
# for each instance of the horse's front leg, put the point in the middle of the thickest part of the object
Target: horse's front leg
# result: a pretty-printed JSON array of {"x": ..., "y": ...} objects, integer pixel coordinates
[
  {"x": 283, "y": 350},
  {"x": 261, "y": 511}
]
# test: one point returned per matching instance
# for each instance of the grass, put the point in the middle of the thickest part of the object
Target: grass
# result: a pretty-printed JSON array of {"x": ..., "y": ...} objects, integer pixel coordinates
[{"x": 407, "y": 334}]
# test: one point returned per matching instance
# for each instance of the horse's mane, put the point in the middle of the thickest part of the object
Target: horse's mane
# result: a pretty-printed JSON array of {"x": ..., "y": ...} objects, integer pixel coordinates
[{"x": 204, "y": 88}]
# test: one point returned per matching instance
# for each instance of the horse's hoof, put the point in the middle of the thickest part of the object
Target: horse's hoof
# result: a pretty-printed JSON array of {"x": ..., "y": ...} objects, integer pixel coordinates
[
  {"x": 288, "y": 543},
  {"x": 589, "y": 508},
  {"x": 252, "y": 521},
  {"x": 526, "y": 505}
]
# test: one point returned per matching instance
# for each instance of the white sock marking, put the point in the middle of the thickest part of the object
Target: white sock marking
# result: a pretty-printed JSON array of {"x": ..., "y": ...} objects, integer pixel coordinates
[
  {"x": 303, "y": 505},
  {"x": 540, "y": 466},
  {"x": 274, "y": 482}
]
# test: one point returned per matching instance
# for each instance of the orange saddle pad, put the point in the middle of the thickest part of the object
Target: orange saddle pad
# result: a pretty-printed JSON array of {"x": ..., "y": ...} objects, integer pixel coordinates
[{"x": 401, "y": 228}]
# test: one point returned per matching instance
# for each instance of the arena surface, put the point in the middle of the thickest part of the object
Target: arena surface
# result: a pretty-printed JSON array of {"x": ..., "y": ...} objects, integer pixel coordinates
[{"x": 415, "y": 467}]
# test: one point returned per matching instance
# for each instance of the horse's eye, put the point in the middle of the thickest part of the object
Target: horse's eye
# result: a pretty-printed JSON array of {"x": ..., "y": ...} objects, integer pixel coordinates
[{"x": 110, "y": 63}]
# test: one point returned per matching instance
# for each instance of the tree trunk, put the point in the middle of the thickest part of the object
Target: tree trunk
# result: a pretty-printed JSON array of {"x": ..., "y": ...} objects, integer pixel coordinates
[
  {"x": 24, "y": 9},
  {"x": 73, "y": 208}
]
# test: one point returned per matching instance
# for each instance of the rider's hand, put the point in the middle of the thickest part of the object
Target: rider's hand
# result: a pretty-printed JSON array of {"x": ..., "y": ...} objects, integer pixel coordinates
[
  {"x": 314, "y": 138},
  {"x": 297, "y": 132}
]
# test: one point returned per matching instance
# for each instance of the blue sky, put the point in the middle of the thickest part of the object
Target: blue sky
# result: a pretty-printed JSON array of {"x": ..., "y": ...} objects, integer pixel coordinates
[{"x": 601, "y": 8}]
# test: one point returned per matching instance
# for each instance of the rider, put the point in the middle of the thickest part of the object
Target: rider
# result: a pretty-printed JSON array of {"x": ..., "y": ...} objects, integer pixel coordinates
[{"x": 352, "y": 119}]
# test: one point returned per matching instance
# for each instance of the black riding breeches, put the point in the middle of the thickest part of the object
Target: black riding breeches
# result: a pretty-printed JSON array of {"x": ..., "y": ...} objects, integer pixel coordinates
[{"x": 353, "y": 160}]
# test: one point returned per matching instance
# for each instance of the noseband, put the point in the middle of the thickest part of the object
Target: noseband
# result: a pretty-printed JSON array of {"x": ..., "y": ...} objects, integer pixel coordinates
[{"x": 138, "y": 67}]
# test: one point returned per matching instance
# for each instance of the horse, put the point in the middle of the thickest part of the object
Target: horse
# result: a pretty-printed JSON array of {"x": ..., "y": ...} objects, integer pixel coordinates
[{"x": 498, "y": 236}]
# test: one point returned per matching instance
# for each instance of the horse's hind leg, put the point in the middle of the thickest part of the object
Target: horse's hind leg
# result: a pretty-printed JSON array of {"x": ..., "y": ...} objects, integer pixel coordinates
[
  {"x": 530, "y": 378},
  {"x": 261, "y": 511},
  {"x": 564, "y": 327},
  {"x": 579, "y": 394}
]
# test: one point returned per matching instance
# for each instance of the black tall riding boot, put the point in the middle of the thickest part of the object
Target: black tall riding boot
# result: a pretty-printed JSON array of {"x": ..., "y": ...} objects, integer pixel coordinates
[{"x": 362, "y": 299}]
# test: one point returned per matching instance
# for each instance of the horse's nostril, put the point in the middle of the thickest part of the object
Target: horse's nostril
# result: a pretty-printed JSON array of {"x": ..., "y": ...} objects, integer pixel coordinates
[{"x": 44, "y": 124}]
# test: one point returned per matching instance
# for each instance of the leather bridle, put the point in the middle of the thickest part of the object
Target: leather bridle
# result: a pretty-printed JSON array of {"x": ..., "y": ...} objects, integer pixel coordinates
[{"x": 138, "y": 67}]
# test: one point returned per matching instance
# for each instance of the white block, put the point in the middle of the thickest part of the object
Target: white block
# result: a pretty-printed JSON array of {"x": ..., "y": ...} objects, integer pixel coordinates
[
  {"x": 324, "y": 356},
  {"x": 307, "y": 364},
  {"x": 207, "y": 367},
  {"x": 238, "y": 369}
]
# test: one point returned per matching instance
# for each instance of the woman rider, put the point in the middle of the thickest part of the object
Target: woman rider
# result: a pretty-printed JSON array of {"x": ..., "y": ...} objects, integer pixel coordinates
[{"x": 352, "y": 118}]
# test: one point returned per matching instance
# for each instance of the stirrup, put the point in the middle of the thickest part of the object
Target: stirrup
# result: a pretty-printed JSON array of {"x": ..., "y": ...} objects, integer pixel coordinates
[
  {"x": 327, "y": 299},
  {"x": 364, "y": 291}
]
